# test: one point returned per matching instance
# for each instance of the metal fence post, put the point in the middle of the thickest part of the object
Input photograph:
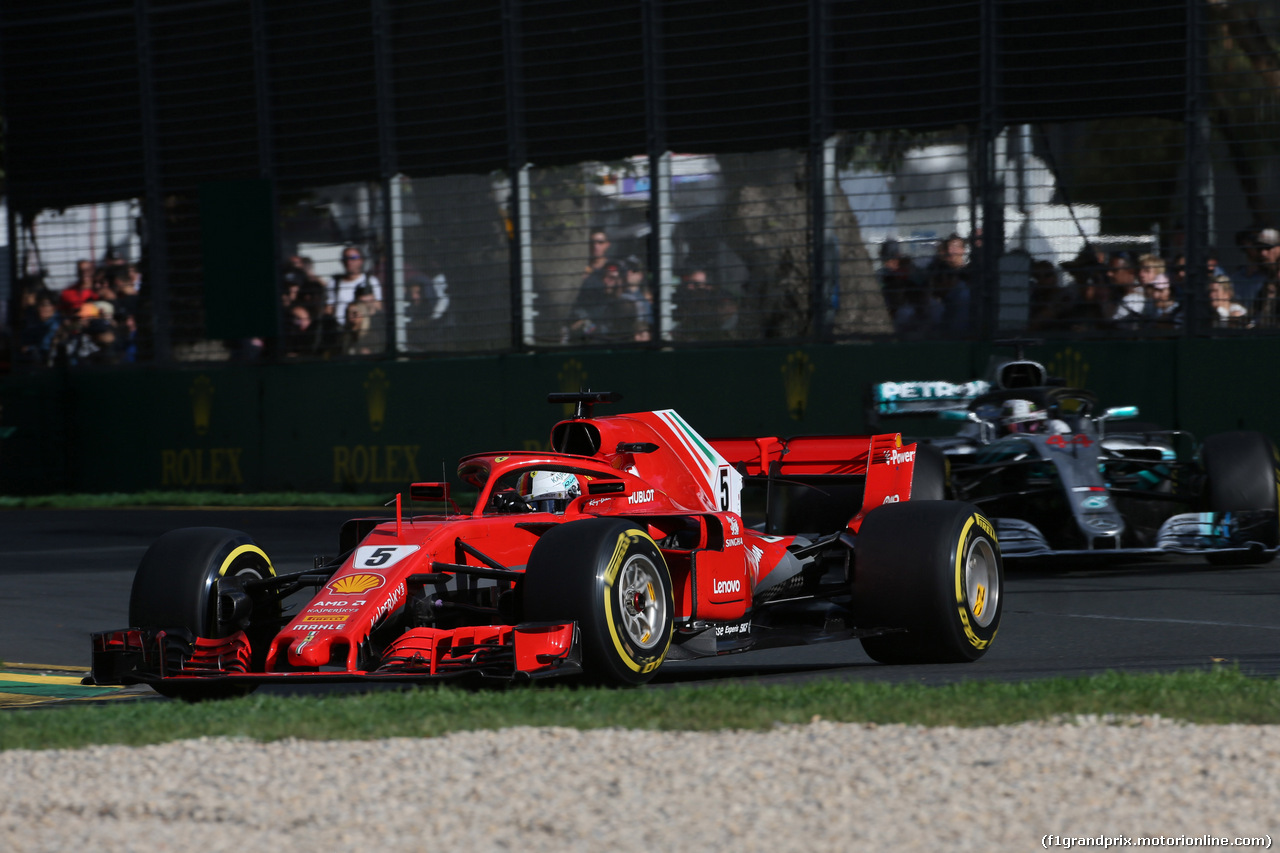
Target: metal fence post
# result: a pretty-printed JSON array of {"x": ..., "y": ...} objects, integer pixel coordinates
[
  {"x": 990, "y": 195},
  {"x": 156, "y": 246},
  {"x": 388, "y": 165},
  {"x": 1196, "y": 126},
  {"x": 521, "y": 295},
  {"x": 659, "y": 247},
  {"x": 819, "y": 120}
]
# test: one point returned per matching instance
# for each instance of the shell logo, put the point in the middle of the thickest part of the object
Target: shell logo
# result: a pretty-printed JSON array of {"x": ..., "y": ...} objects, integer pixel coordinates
[{"x": 356, "y": 584}]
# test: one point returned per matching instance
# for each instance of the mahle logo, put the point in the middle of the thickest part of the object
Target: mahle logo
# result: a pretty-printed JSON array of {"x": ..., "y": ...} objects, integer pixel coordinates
[
  {"x": 375, "y": 395},
  {"x": 795, "y": 382},
  {"x": 201, "y": 403}
]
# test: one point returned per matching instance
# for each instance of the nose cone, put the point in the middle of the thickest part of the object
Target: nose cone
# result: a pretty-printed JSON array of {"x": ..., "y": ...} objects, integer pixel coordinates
[{"x": 310, "y": 651}]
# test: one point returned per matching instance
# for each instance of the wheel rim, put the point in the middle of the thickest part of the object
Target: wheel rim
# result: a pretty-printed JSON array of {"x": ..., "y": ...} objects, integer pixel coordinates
[
  {"x": 643, "y": 606},
  {"x": 982, "y": 581}
]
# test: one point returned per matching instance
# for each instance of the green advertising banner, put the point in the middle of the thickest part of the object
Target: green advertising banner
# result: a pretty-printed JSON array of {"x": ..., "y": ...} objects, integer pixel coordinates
[{"x": 379, "y": 425}]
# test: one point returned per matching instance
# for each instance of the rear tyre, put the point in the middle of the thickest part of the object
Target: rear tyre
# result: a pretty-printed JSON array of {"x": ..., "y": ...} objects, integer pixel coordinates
[
  {"x": 176, "y": 587},
  {"x": 933, "y": 572},
  {"x": 1241, "y": 475},
  {"x": 609, "y": 576}
]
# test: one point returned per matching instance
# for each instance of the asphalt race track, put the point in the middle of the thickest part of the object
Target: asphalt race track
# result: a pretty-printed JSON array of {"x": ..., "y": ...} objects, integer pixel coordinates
[{"x": 65, "y": 573}]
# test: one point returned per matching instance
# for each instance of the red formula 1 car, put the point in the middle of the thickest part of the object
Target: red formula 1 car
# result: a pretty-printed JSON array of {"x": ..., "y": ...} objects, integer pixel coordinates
[{"x": 635, "y": 541}]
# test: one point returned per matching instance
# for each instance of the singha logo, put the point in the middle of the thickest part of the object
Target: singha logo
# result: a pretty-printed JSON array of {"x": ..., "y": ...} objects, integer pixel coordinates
[
  {"x": 1071, "y": 366},
  {"x": 572, "y": 377},
  {"x": 795, "y": 380},
  {"x": 375, "y": 395},
  {"x": 201, "y": 403}
]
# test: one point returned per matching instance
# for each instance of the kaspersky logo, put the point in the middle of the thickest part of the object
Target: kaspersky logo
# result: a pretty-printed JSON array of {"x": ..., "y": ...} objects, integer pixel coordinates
[
  {"x": 795, "y": 381},
  {"x": 357, "y": 583},
  {"x": 375, "y": 396},
  {"x": 201, "y": 403}
]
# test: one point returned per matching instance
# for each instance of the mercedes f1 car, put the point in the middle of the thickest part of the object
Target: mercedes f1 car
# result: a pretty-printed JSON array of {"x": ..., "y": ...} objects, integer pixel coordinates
[
  {"x": 1062, "y": 477},
  {"x": 633, "y": 542}
]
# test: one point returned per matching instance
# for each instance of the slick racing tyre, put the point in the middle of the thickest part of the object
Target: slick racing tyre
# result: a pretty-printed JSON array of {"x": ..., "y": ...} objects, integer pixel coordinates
[
  {"x": 1240, "y": 470},
  {"x": 929, "y": 479},
  {"x": 931, "y": 573},
  {"x": 176, "y": 587},
  {"x": 609, "y": 576}
]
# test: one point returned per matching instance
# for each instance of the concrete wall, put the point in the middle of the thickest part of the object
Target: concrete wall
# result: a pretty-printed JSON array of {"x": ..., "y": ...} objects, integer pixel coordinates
[{"x": 376, "y": 426}]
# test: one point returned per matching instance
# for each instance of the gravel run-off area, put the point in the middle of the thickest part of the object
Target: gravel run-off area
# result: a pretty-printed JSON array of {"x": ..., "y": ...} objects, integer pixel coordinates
[{"x": 817, "y": 787}]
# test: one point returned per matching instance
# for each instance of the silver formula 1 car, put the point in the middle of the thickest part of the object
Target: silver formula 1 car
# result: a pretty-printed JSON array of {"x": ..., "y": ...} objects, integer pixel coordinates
[{"x": 1062, "y": 477}]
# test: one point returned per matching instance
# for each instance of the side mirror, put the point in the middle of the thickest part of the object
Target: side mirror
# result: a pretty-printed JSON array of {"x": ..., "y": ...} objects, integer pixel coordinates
[
  {"x": 955, "y": 415},
  {"x": 1119, "y": 413}
]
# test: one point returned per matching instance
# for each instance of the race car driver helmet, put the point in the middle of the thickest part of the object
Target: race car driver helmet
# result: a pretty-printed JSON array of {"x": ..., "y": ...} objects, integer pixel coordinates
[
  {"x": 1018, "y": 416},
  {"x": 549, "y": 491}
]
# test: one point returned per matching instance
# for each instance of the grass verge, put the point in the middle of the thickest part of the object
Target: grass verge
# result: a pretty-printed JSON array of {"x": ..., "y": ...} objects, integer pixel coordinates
[{"x": 1223, "y": 695}]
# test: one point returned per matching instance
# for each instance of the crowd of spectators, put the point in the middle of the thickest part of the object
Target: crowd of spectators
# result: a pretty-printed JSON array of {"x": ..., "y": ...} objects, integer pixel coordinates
[
  {"x": 614, "y": 301},
  {"x": 90, "y": 321},
  {"x": 1096, "y": 291},
  {"x": 346, "y": 315}
]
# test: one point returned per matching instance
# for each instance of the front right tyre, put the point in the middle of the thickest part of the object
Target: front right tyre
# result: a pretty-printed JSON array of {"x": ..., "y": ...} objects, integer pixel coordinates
[{"x": 1242, "y": 474}]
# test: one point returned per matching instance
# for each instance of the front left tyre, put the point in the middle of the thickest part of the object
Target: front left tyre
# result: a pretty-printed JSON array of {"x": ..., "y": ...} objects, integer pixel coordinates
[
  {"x": 175, "y": 587},
  {"x": 609, "y": 576}
]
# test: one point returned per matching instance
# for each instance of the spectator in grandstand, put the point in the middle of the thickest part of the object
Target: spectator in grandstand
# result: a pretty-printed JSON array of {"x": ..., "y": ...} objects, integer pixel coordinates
[
  {"x": 1133, "y": 305},
  {"x": 126, "y": 338},
  {"x": 81, "y": 290},
  {"x": 39, "y": 331},
  {"x": 586, "y": 321},
  {"x": 703, "y": 312},
  {"x": 72, "y": 344},
  {"x": 1225, "y": 311},
  {"x": 102, "y": 334},
  {"x": 598, "y": 255},
  {"x": 1166, "y": 308},
  {"x": 947, "y": 277},
  {"x": 1249, "y": 277},
  {"x": 1178, "y": 271},
  {"x": 342, "y": 290},
  {"x": 593, "y": 310},
  {"x": 903, "y": 289},
  {"x": 426, "y": 309},
  {"x": 1089, "y": 293},
  {"x": 1266, "y": 306},
  {"x": 123, "y": 284},
  {"x": 1051, "y": 303},
  {"x": 364, "y": 332},
  {"x": 636, "y": 315},
  {"x": 304, "y": 334}
]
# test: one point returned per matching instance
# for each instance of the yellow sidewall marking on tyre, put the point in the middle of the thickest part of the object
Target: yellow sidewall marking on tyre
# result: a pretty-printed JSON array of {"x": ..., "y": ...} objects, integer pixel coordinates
[
  {"x": 610, "y": 577},
  {"x": 962, "y": 605},
  {"x": 246, "y": 549}
]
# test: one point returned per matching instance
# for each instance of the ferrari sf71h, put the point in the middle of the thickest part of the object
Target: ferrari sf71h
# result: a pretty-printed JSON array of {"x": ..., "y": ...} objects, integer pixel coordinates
[{"x": 634, "y": 541}]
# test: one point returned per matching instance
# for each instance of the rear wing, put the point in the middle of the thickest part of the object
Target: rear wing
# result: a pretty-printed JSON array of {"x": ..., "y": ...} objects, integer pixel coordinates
[
  {"x": 876, "y": 469},
  {"x": 901, "y": 399}
]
